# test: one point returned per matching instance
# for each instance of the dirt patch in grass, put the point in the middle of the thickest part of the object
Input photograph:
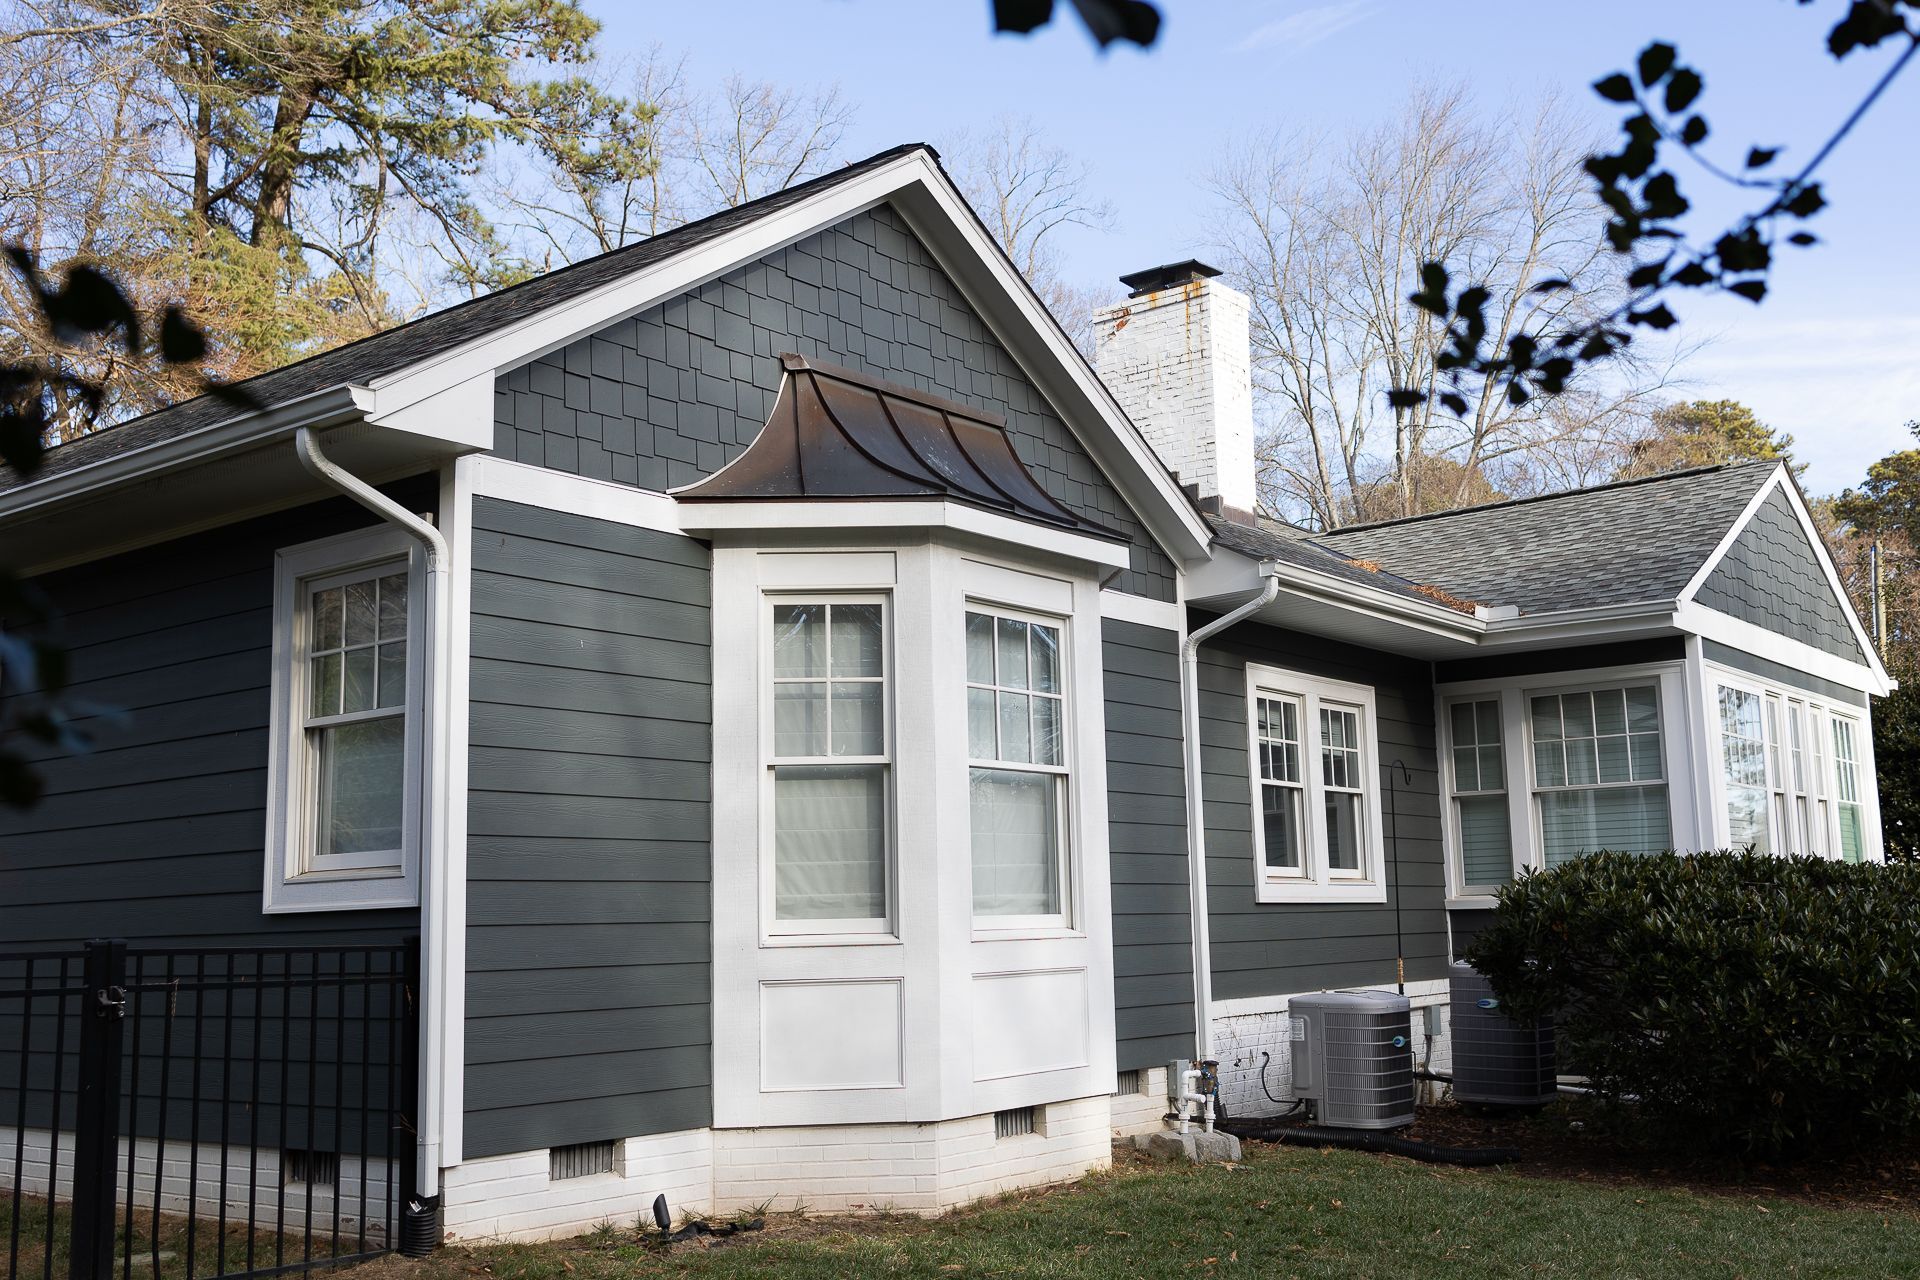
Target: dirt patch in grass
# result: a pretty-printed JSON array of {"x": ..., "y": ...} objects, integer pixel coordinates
[{"x": 1573, "y": 1140}]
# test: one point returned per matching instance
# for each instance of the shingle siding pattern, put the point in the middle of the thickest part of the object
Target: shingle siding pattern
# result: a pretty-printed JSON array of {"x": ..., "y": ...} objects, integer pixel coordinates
[
  {"x": 157, "y": 834},
  {"x": 1147, "y": 845},
  {"x": 674, "y": 394},
  {"x": 1263, "y": 949},
  {"x": 1629, "y": 543},
  {"x": 1771, "y": 577},
  {"x": 394, "y": 349},
  {"x": 588, "y": 854}
]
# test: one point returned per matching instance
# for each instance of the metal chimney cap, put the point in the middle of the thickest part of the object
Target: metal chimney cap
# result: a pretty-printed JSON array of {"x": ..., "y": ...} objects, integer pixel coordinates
[{"x": 1154, "y": 279}]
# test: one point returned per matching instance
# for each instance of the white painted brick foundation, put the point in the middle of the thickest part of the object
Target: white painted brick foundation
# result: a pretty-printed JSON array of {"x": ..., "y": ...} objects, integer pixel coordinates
[
  {"x": 179, "y": 1176},
  {"x": 1243, "y": 1036},
  {"x": 852, "y": 1168},
  {"x": 1145, "y": 1111},
  {"x": 511, "y": 1197}
]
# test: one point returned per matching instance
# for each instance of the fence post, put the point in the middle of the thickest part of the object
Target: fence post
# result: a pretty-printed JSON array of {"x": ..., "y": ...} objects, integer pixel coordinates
[{"x": 96, "y": 1138}]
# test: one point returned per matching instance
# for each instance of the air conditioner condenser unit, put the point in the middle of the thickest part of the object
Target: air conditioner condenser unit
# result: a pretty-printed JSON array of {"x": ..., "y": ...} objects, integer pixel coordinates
[{"x": 1353, "y": 1057}]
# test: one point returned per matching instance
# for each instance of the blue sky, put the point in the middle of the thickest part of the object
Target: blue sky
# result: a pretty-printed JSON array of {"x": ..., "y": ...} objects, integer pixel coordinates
[{"x": 1833, "y": 356}]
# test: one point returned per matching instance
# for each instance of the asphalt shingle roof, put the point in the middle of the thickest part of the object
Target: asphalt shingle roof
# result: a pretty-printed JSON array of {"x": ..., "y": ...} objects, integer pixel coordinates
[
  {"x": 1300, "y": 548},
  {"x": 1636, "y": 541},
  {"x": 394, "y": 349}
]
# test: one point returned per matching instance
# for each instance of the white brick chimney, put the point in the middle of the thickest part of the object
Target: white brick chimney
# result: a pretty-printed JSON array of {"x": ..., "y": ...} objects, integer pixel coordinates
[{"x": 1175, "y": 355}]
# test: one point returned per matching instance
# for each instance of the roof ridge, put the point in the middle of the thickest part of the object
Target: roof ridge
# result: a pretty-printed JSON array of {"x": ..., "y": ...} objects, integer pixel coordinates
[
  {"x": 1658, "y": 478},
  {"x": 686, "y": 230}
]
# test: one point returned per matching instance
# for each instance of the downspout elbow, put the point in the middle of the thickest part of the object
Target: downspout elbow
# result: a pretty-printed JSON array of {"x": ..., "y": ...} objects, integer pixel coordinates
[{"x": 1196, "y": 800}]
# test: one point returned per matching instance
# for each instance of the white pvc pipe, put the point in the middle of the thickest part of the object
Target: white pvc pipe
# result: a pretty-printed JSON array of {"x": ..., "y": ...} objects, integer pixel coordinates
[
  {"x": 1196, "y": 805},
  {"x": 434, "y": 813}
]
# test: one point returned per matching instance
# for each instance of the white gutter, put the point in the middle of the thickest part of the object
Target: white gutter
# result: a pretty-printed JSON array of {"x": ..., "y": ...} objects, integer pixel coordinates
[
  {"x": 1196, "y": 804},
  {"x": 435, "y": 813}
]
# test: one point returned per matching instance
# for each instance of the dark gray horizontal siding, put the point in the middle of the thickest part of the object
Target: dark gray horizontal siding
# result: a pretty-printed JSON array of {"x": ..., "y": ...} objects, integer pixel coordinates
[
  {"x": 1536, "y": 662},
  {"x": 679, "y": 391},
  {"x": 1772, "y": 578},
  {"x": 157, "y": 835},
  {"x": 589, "y": 903},
  {"x": 1779, "y": 673},
  {"x": 1262, "y": 949},
  {"x": 1147, "y": 842}
]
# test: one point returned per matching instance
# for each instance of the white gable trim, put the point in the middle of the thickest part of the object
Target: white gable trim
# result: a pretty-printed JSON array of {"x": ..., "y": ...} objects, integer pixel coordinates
[
  {"x": 1690, "y": 613},
  {"x": 952, "y": 234}
]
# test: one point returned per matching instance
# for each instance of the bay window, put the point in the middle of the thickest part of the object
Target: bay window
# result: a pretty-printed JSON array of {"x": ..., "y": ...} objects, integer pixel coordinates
[
  {"x": 344, "y": 809},
  {"x": 830, "y": 764},
  {"x": 1017, "y": 769},
  {"x": 1316, "y": 793},
  {"x": 1791, "y": 770}
]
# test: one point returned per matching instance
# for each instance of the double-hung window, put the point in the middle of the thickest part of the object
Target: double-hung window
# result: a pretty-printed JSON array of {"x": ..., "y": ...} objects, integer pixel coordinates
[
  {"x": 1316, "y": 794},
  {"x": 1598, "y": 776},
  {"x": 343, "y": 825},
  {"x": 1483, "y": 829},
  {"x": 1017, "y": 770},
  {"x": 830, "y": 764}
]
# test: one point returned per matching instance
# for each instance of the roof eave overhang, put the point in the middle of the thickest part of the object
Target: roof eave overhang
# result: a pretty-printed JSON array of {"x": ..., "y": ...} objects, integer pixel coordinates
[
  {"x": 812, "y": 517},
  {"x": 1431, "y": 629}
]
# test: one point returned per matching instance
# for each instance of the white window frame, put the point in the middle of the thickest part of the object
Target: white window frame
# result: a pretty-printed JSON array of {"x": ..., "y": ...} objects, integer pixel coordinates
[
  {"x": 1678, "y": 715},
  {"x": 884, "y": 926},
  {"x": 1455, "y": 837},
  {"x": 1316, "y": 882},
  {"x": 296, "y": 879},
  {"x": 1063, "y": 919},
  {"x": 1814, "y": 784}
]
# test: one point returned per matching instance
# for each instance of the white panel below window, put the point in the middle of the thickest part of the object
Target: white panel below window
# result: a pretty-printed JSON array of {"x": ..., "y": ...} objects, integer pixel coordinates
[
  {"x": 1027, "y": 1023},
  {"x": 830, "y": 1035}
]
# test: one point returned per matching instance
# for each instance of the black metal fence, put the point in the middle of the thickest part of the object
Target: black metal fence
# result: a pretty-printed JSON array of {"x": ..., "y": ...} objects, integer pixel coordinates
[{"x": 199, "y": 1113}]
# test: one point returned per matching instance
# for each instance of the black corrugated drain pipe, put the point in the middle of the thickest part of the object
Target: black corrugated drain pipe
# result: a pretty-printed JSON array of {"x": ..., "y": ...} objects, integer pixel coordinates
[{"x": 1307, "y": 1135}]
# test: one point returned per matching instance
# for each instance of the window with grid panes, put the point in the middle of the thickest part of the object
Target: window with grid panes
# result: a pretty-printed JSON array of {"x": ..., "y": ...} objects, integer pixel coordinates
[
  {"x": 1598, "y": 777},
  {"x": 1017, "y": 768}
]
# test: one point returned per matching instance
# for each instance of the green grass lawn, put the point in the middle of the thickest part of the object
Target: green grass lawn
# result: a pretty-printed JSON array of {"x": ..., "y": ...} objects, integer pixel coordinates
[{"x": 1285, "y": 1212}]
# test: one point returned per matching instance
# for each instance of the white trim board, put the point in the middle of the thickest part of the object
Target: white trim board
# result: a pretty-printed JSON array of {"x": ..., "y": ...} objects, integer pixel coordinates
[
  {"x": 1254, "y": 1006},
  {"x": 1163, "y": 614}
]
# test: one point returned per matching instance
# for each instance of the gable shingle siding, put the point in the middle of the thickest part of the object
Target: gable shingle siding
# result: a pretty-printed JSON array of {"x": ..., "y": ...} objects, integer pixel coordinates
[
  {"x": 588, "y": 852},
  {"x": 1771, "y": 578},
  {"x": 676, "y": 393}
]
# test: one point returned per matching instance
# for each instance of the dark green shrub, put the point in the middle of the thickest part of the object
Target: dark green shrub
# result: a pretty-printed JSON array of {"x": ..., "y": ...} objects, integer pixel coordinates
[{"x": 1757, "y": 1004}]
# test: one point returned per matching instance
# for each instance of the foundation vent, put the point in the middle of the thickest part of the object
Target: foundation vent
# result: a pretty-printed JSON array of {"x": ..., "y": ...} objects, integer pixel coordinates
[
  {"x": 1011, "y": 1124},
  {"x": 313, "y": 1168},
  {"x": 581, "y": 1160},
  {"x": 1128, "y": 1083}
]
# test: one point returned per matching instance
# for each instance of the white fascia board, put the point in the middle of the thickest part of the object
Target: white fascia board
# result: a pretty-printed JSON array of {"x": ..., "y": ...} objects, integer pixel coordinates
[
  {"x": 486, "y": 476},
  {"x": 997, "y": 291},
  {"x": 1582, "y": 626},
  {"x": 815, "y": 515},
  {"x": 461, "y": 414},
  {"x": 1762, "y": 643},
  {"x": 323, "y": 408},
  {"x": 1167, "y": 615},
  {"x": 1235, "y": 573}
]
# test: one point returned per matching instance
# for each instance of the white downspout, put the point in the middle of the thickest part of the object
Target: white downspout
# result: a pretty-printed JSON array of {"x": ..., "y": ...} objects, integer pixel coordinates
[
  {"x": 1196, "y": 805},
  {"x": 433, "y": 813}
]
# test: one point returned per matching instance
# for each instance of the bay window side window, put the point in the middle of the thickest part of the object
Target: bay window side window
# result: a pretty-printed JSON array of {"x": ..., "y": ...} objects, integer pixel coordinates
[
  {"x": 1017, "y": 771},
  {"x": 830, "y": 765},
  {"x": 1846, "y": 791},
  {"x": 345, "y": 788}
]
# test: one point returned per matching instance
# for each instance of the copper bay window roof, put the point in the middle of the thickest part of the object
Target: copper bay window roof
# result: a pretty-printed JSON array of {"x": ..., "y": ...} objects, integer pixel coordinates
[{"x": 837, "y": 434}]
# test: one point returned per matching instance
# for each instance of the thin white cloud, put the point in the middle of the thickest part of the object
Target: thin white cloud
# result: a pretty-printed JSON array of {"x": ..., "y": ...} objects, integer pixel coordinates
[
  {"x": 1844, "y": 386},
  {"x": 1308, "y": 27}
]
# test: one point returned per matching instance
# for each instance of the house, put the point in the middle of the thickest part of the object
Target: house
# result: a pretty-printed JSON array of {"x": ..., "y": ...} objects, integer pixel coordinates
[{"x": 836, "y": 747}]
